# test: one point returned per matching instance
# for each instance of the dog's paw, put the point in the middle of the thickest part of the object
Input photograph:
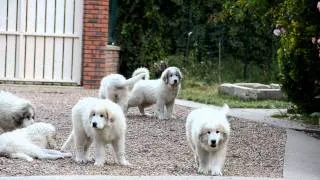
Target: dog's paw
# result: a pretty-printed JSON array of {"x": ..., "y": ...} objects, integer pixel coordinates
[
  {"x": 161, "y": 117},
  {"x": 147, "y": 114},
  {"x": 80, "y": 160},
  {"x": 203, "y": 171},
  {"x": 99, "y": 162},
  {"x": 29, "y": 159},
  {"x": 125, "y": 163},
  {"x": 216, "y": 173},
  {"x": 67, "y": 155}
]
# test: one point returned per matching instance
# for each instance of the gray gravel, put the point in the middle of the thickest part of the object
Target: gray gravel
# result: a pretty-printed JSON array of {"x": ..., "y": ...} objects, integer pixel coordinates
[{"x": 153, "y": 147}]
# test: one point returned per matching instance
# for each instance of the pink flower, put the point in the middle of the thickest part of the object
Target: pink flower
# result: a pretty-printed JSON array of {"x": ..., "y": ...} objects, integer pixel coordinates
[
  {"x": 318, "y": 6},
  {"x": 318, "y": 41},
  {"x": 314, "y": 40},
  {"x": 277, "y": 32}
]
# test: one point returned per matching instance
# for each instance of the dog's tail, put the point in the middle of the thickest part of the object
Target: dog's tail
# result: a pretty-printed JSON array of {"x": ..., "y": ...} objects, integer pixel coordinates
[
  {"x": 68, "y": 141},
  {"x": 133, "y": 80},
  {"x": 142, "y": 70}
]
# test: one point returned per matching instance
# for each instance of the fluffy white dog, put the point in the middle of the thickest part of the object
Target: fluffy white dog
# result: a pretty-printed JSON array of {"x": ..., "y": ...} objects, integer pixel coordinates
[
  {"x": 15, "y": 112},
  {"x": 35, "y": 141},
  {"x": 208, "y": 132},
  {"x": 161, "y": 92},
  {"x": 116, "y": 88},
  {"x": 100, "y": 121}
]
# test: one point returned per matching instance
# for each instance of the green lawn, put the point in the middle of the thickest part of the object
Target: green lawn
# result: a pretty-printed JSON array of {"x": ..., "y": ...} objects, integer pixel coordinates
[{"x": 200, "y": 92}]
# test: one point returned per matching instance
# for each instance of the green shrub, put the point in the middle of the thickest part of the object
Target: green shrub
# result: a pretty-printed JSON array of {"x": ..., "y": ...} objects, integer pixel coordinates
[{"x": 298, "y": 58}]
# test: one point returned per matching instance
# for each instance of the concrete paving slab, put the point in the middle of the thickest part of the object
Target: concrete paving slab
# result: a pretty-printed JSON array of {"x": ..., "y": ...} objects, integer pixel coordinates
[
  {"x": 302, "y": 156},
  {"x": 133, "y": 178}
]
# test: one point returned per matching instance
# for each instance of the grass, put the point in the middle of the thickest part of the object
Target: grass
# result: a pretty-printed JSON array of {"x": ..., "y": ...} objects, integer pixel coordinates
[
  {"x": 302, "y": 118},
  {"x": 203, "y": 93}
]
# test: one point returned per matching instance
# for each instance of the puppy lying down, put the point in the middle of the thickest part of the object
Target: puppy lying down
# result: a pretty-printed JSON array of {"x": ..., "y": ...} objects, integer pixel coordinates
[
  {"x": 35, "y": 141},
  {"x": 15, "y": 112}
]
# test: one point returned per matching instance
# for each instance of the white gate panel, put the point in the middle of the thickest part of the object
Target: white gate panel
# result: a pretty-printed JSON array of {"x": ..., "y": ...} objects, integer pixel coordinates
[
  {"x": 11, "y": 39},
  {"x": 40, "y": 26},
  {"x": 3, "y": 38},
  {"x": 40, "y": 40}
]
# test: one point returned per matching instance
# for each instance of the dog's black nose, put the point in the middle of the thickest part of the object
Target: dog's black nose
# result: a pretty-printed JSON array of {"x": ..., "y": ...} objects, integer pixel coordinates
[
  {"x": 94, "y": 124},
  {"x": 175, "y": 81},
  {"x": 213, "y": 141}
]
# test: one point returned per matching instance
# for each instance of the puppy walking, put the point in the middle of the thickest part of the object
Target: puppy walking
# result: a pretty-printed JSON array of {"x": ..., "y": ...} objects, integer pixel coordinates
[
  {"x": 161, "y": 92},
  {"x": 99, "y": 121},
  {"x": 116, "y": 87},
  {"x": 208, "y": 132},
  {"x": 15, "y": 112},
  {"x": 35, "y": 141}
]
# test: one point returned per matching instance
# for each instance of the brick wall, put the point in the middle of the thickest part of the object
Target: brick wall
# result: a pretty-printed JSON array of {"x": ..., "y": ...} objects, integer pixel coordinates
[{"x": 98, "y": 59}]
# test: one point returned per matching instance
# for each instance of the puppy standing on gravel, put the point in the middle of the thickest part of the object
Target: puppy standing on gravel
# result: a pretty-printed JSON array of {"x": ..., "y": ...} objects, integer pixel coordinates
[
  {"x": 101, "y": 121},
  {"x": 161, "y": 92},
  {"x": 208, "y": 131},
  {"x": 31, "y": 142},
  {"x": 15, "y": 112},
  {"x": 116, "y": 88}
]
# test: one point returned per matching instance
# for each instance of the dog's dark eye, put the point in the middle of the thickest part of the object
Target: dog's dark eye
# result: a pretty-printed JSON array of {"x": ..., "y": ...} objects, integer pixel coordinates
[
  {"x": 101, "y": 115},
  {"x": 32, "y": 117},
  {"x": 171, "y": 75},
  {"x": 93, "y": 114},
  {"x": 28, "y": 117},
  {"x": 208, "y": 132},
  {"x": 217, "y": 132}
]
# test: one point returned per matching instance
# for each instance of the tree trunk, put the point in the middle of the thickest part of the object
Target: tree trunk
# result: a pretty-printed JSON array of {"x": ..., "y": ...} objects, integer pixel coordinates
[{"x": 245, "y": 69}]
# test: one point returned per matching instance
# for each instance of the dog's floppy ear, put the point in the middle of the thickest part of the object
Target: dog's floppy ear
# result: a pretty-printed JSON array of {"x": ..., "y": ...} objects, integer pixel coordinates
[
  {"x": 18, "y": 118},
  {"x": 225, "y": 109},
  {"x": 164, "y": 76},
  {"x": 179, "y": 73},
  {"x": 106, "y": 114},
  {"x": 92, "y": 112},
  {"x": 203, "y": 134},
  {"x": 224, "y": 137}
]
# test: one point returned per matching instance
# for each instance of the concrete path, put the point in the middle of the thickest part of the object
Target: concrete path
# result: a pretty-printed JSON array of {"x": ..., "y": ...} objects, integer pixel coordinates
[
  {"x": 132, "y": 178},
  {"x": 302, "y": 156},
  {"x": 302, "y": 152},
  {"x": 261, "y": 115}
]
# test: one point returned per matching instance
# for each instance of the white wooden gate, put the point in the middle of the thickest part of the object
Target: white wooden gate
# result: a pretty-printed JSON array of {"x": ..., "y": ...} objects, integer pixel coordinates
[{"x": 40, "y": 40}]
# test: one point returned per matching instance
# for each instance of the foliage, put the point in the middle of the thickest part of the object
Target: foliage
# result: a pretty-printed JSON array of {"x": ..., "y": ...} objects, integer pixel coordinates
[
  {"x": 248, "y": 32},
  {"x": 298, "y": 57},
  {"x": 150, "y": 31}
]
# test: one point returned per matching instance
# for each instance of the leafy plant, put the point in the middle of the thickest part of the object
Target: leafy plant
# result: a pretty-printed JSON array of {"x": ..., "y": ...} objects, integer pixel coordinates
[{"x": 298, "y": 57}]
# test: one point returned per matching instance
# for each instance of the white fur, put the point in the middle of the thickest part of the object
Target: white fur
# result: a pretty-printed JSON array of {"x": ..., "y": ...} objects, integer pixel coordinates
[
  {"x": 208, "y": 132},
  {"x": 31, "y": 142},
  {"x": 100, "y": 121},
  {"x": 15, "y": 112},
  {"x": 116, "y": 88},
  {"x": 142, "y": 70},
  {"x": 162, "y": 92}
]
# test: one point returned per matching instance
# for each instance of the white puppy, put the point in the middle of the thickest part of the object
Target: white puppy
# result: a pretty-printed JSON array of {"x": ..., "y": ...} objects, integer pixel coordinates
[
  {"x": 208, "y": 131},
  {"x": 116, "y": 88},
  {"x": 15, "y": 112},
  {"x": 31, "y": 142},
  {"x": 100, "y": 121},
  {"x": 161, "y": 92}
]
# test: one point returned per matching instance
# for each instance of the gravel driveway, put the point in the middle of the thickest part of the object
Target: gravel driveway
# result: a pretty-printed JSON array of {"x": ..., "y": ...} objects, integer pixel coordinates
[{"x": 153, "y": 147}]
